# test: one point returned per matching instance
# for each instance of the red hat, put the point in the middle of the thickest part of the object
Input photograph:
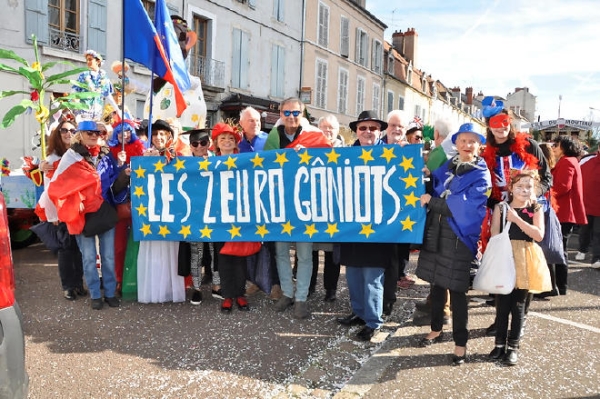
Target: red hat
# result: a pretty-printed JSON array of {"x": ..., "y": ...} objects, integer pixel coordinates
[{"x": 221, "y": 128}]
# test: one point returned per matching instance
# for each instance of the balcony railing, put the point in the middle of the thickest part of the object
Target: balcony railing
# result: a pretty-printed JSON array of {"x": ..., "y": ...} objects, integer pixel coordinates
[
  {"x": 64, "y": 40},
  {"x": 211, "y": 72}
]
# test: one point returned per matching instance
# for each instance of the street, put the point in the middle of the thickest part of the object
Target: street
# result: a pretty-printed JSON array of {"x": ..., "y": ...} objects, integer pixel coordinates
[{"x": 184, "y": 351}]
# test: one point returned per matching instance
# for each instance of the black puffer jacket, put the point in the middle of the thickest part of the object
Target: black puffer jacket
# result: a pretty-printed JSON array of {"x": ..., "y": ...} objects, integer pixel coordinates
[{"x": 444, "y": 260}]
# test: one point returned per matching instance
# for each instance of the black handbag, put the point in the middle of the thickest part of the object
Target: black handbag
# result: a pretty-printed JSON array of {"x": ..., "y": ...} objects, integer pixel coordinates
[
  {"x": 54, "y": 236},
  {"x": 104, "y": 219}
]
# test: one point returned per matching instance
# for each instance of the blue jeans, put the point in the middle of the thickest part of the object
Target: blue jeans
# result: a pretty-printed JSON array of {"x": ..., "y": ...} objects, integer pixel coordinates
[
  {"x": 365, "y": 285},
  {"x": 284, "y": 269},
  {"x": 87, "y": 246}
]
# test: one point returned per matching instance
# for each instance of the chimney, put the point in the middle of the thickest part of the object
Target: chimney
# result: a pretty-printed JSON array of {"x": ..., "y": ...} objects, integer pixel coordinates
[
  {"x": 398, "y": 41},
  {"x": 456, "y": 94},
  {"x": 411, "y": 46},
  {"x": 469, "y": 93}
]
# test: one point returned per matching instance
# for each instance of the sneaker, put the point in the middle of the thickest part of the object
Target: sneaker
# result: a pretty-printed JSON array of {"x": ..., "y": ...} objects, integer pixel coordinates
[
  {"x": 218, "y": 294},
  {"x": 252, "y": 289},
  {"x": 276, "y": 292},
  {"x": 97, "y": 304},
  {"x": 301, "y": 310},
  {"x": 113, "y": 302},
  {"x": 242, "y": 303},
  {"x": 596, "y": 264},
  {"x": 283, "y": 303},
  {"x": 227, "y": 305},
  {"x": 580, "y": 256},
  {"x": 196, "y": 298}
]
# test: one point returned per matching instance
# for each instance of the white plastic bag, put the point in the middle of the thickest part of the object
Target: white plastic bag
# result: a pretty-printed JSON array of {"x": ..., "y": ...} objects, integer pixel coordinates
[{"x": 497, "y": 274}]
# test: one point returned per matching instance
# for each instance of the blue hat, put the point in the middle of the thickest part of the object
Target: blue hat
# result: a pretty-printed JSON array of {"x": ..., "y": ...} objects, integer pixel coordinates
[
  {"x": 88, "y": 126},
  {"x": 491, "y": 106},
  {"x": 468, "y": 128}
]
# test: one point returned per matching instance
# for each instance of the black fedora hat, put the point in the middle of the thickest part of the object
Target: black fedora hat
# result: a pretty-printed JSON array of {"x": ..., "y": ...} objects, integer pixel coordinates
[
  {"x": 198, "y": 134},
  {"x": 368, "y": 116},
  {"x": 159, "y": 124}
]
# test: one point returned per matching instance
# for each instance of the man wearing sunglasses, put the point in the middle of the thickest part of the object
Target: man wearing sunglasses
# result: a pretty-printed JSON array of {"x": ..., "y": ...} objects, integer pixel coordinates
[
  {"x": 290, "y": 113},
  {"x": 366, "y": 262},
  {"x": 199, "y": 141},
  {"x": 253, "y": 138}
]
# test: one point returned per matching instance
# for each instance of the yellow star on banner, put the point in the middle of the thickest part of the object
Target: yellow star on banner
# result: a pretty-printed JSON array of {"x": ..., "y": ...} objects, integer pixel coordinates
[
  {"x": 141, "y": 210},
  {"x": 204, "y": 164},
  {"x": 205, "y": 232},
  {"x": 146, "y": 229},
  {"x": 140, "y": 172},
  {"x": 287, "y": 228},
  {"x": 310, "y": 230},
  {"x": 159, "y": 165},
  {"x": 139, "y": 191},
  {"x": 388, "y": 154},
  {"x": 163, "y": 231},
  {"x": 230, "y": 163},
  {"x": 185, "y": 231},
  {"x": 281, "y": 159},
  {"x": 257, "y": 161},
  {"x": 235, "y": 231},
  {"x": 331, "y": 229},
  {"x": 332, "y": 157},
  {"x": 406, "y": 163},
  {"x": 179, "y": 164},
  {"x": 407, "y": 224},
  {"x": 262, "y": 230},
  {"x": 410, "y": 181},
  {"x": 305, "y": 158},
  {"x": 367, "y": 156},
  {"x": 411, "y": 199},
  {"x": 366, "y": 230}
]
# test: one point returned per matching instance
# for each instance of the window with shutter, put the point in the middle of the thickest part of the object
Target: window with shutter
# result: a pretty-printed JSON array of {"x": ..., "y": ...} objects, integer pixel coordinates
[
  {"x": 401, "y": 103},
  {"x": 240, "y": 60},
  {"x": 360, "y": 95},
  {"x": 97, "y": 26},
  {"x": 36, "y": 20},
  {"x": 390, "y": 101},
  {"x": 344, "y": 37},
  {"x": 376, "y": 98},
  {"x": 343, "y": 91},
  {"x": 277, "y": 71},
  {"x": 278, "y": 10},
  {"x": 321, "y": 84},
  {"x": 323, "y": 25},
  {"x": 63, "y": 28}
]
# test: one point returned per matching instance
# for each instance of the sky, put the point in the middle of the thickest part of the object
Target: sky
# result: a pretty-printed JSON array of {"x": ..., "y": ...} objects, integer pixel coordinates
[{"x": 550, "y": 46}]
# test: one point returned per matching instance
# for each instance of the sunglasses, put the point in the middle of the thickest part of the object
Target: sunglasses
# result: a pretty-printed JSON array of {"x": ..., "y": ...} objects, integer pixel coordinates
[
  {"x": 64, "y": 130},
  {"x": 371, "y": 128},
  {"x": 201, "y": 143},
  {"x": 93, "y": 133},
  {"x": 499, "y": 121},
  {"x": 288, "y": 113}
]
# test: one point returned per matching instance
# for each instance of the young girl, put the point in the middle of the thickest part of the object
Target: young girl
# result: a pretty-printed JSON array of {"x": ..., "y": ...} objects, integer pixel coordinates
[
  {"x": 232, "y": 269},
  {"x": 527, "y": 218}
]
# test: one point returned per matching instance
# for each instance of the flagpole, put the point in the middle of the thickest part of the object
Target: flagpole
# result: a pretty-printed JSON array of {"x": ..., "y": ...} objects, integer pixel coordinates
[{"x": 123, "y": 76}]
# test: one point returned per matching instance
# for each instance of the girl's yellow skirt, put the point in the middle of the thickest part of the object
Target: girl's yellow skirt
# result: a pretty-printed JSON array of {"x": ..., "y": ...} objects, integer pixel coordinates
[{"x": 531, "y": 267}]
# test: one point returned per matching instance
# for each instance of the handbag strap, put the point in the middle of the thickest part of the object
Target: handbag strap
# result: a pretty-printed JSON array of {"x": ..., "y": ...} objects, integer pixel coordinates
[{"x": 503, "y": 211}]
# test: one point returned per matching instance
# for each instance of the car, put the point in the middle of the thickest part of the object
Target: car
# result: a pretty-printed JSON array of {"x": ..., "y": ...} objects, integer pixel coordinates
[{"x": 14, "y": 381}]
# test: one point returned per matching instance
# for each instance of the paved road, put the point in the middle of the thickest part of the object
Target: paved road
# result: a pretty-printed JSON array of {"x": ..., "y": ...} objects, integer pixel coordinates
[{"x": 184, "y": 351}]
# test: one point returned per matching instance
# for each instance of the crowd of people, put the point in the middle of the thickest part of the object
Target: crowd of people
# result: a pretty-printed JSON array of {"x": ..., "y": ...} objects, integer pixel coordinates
[{"x": 472, "y": 176}]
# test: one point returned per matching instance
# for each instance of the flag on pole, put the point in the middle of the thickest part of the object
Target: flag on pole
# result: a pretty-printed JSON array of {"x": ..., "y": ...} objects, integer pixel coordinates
[
  {"x": 166, "y": 32},
  {"x": 142, "y": 44}
]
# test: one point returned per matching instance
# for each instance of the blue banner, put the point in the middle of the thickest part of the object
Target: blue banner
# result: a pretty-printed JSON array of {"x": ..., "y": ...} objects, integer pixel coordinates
[{"x": 350, "y": 194}]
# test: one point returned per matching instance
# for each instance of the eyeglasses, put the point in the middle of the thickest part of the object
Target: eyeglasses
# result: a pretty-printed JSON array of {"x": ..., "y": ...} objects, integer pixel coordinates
[
  {"x": 201, "y": 143},
  {"x": 64, "y": 130},
  {"x": 288, "y": 113},
  {"x": 371, "y": 128},
  {"x": 93, "y": 133}
]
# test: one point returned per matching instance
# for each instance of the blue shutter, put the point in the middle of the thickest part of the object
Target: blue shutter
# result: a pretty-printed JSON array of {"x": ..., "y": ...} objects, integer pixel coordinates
[
  {"x": 236, "y": 58},
  {"x": 36, "y": 20},
  {"x": 96, "y": 39},
  {"x": 245, "y": 60}
]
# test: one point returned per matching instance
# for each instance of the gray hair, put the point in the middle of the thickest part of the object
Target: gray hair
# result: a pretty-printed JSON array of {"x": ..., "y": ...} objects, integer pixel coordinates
[
  {"x": 331, "y": 119},
  {"x": 292, "y": 100},
  {"x": 249, "y": 110},
  {"x": 398, "y": 113}
]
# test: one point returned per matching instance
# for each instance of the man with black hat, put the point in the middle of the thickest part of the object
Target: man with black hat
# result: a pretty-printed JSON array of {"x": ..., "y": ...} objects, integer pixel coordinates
[{"x": 366, "y": 262}]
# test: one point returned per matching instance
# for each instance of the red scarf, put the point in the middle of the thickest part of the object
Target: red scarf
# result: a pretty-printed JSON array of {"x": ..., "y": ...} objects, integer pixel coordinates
[
  {"x": 519, "y": 147},
  {"x": 94, "y": 151}
]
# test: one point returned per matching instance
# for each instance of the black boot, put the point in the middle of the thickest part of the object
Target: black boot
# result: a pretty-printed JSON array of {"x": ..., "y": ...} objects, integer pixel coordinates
[
  {"x": 498, "y": 352},
  {"x": 561, "y": 278},
  {"x": 554, "y": 290}
]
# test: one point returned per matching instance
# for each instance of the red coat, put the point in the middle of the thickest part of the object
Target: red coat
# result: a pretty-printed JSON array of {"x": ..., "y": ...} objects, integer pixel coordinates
[
  {"x": 568, "y": 191},
  {"x": 590, "y": 174}
]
